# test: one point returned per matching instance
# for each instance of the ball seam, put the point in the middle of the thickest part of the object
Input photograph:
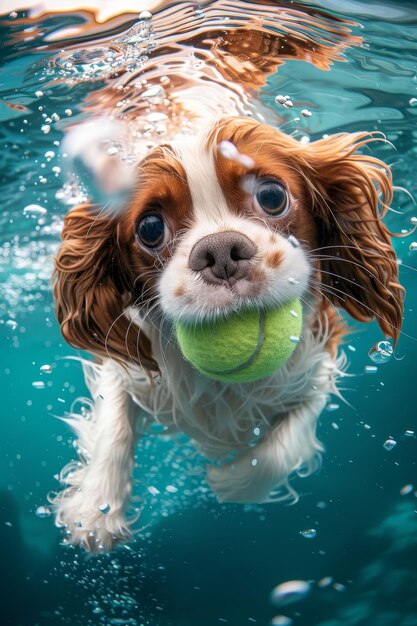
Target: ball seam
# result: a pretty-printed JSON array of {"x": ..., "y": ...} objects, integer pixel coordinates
[{"x": 253, "y": 356}]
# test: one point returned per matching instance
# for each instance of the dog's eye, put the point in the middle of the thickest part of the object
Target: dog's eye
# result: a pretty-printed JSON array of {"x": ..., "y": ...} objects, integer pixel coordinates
[
  {"x": 151, "y": 231},
  {"x": 271, "y": 197}
]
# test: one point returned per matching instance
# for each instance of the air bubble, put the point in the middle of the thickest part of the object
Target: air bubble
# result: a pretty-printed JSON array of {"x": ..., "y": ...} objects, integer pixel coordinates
[
  {"x": 381, "y": 352},
  {"x": 293, "y": 241},
  {"x": 404, "y": 491},
  {"x": 43, "y": 511},
  {"x": 325, "y": 582},
  {"x": 306, "y": 113},
  {"x": 390, "y": 444},
  {"x": 245, "y": 160},
  {"x": 154, "y": 95},
  {"x": 229, "y": 151},
  {"x": 332, "y": 406},
  {"x": 289, "y": 592},
  {"x": 281, "y": 620},
  {"x": 309, "y": 533},
  {"x": 156, "y": 118}
]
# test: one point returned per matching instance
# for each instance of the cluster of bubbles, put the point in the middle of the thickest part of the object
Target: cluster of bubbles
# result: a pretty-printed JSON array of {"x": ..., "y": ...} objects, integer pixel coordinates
[
  {"x": 229, "y": 151},
  {"x": 293, "y": 591},
  {"x": 127, "y": 53},
  {"x": 287, "y": 103}
]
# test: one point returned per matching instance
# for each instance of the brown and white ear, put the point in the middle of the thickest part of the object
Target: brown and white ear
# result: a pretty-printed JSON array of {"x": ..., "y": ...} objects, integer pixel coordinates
[
  {"x": 351, "y": 193},
  {"x": 92, "y": 290}
]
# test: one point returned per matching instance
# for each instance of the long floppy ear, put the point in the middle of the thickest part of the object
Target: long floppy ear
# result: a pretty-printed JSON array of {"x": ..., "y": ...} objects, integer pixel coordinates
[
  {"x": 351, "y": 193},
  {"x": 92, "y": 290}
]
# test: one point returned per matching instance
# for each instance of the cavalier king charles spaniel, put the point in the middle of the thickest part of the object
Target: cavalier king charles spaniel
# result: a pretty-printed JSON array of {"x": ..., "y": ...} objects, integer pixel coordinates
[{"x": 285, "y": 220}]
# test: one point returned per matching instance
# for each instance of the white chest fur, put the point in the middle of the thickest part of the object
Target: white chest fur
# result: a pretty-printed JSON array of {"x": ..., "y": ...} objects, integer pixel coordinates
[{"x": 222, "y": 417}]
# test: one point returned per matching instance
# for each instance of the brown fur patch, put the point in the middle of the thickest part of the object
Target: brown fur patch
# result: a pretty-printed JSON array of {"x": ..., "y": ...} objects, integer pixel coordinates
[
  {"x": 274, "y": 258},
  {"x": 101, "y": 268},
  {"x": 179, "y": 291},
  {"x": 162, "y": 188},
  {"x": 336, "y": 326}
]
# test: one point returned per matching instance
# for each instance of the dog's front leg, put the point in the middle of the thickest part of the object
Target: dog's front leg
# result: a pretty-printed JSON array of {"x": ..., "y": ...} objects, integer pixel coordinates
[
  {"x": 286, "y": 448},
  {"x": 97, "y": 487}
]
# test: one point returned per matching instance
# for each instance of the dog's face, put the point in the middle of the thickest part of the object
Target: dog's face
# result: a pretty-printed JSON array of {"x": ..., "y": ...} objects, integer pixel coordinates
[
  {"x": 212, "y": 234},
  {"x": 206, "y": 233}
]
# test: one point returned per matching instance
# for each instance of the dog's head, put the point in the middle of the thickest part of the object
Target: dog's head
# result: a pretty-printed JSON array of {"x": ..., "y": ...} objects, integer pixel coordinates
[{"x": 240, "y": 216}]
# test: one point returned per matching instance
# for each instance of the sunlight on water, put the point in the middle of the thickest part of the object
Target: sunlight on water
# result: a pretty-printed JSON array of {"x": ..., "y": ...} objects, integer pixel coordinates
[{"x": 86, "y": 92}]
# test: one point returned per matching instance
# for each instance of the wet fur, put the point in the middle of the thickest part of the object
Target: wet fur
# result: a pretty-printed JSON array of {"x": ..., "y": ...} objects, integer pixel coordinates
[{"x": 108, "y": 299}]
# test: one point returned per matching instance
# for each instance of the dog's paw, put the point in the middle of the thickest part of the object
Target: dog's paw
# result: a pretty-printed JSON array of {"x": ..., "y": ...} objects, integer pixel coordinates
[
  {"x": 242, "y": 481},
  {"x": 95, "y": 526}
]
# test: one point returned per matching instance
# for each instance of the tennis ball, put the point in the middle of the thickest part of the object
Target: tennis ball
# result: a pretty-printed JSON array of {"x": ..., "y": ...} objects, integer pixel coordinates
[{"x": 245, "y": 346}]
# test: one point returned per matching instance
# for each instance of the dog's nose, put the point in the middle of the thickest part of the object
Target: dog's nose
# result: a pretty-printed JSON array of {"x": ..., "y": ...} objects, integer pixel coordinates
[{"x": 222, "y": 257}]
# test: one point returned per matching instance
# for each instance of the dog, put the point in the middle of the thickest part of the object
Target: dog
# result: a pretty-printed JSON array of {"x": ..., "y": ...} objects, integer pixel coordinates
[{"x": 291, "y": 220}]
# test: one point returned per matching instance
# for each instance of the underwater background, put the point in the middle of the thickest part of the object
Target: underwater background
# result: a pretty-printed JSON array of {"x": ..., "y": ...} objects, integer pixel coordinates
[{"x": 346, "y": 65}]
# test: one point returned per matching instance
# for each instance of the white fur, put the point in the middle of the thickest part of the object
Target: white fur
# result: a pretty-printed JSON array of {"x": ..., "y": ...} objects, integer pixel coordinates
[
  {"x": 102, "y": 476},
  {"x": 209, "y": 203},
  {"x": 221, "y": 419},
  {"x": 268, "y": 427}
]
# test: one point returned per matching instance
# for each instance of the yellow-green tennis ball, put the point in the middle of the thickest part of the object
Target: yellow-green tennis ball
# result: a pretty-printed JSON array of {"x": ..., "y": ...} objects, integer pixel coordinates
[{"x": 245, "y": 346}]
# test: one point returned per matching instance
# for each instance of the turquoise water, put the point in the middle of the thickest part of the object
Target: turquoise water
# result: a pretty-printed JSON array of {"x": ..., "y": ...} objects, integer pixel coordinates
[{"x": 196, "y": 561}]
